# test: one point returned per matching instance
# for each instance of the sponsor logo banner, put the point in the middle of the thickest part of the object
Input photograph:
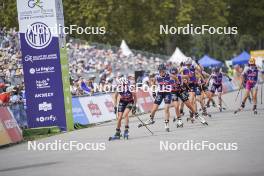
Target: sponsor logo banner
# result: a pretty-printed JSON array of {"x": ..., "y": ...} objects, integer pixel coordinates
[
  {"x": 46, "y": 84},
  {"x": 97, "y": 108}
]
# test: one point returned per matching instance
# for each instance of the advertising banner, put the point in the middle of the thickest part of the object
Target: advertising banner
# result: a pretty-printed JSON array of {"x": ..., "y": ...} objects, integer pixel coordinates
[
  {"x": 98, "y": 108},
  {"x": 45, "y": 63},
  {"x": 79, "y": 115},
  {"x": 4, "y": 138},
  {"x": 144, "y": 101},
  {"x": 10, "y": 125}
]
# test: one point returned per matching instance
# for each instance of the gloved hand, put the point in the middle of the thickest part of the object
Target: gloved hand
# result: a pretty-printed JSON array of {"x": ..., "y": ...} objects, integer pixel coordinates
[
  {"x": 154, "y": 94},
  {"x": 134, "y": 109},
  {"x": 230, "y": 79},
  {"x": 115, "y": 109}
]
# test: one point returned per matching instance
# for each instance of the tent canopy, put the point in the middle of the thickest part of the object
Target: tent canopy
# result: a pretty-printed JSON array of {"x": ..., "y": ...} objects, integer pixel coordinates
[
  {"x": 177, "y": 57},
  {"x": 207, "y": 61},
  {"x": 241, "y": 59},
  {"x": 125, "y": 49}
]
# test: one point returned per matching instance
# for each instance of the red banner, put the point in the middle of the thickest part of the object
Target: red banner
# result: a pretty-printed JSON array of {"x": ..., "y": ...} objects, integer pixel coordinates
[
  {"x": 10, "y": 125},
  {"x": 144, "y": 101}
]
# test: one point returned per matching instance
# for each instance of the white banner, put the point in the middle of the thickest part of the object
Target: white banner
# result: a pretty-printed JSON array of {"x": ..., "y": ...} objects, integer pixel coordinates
[{"x": 98, "y": 108}]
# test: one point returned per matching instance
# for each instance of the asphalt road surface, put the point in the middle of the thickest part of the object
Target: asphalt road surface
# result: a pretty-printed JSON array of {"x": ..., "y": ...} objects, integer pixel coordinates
[{"x": 142, "y": 155}]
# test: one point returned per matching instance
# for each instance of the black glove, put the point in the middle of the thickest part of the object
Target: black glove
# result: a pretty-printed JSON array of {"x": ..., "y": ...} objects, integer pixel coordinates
[
  {"x": 230, "y": 79},
  {"x": 115, "y": 109},
  {"x": 154, "y": 94},
  {"x": 134, "y": 109}
]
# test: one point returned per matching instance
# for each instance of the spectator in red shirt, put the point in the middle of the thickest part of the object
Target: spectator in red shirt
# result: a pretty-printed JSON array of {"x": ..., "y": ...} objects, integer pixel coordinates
[{"x": 5, "y": 96}]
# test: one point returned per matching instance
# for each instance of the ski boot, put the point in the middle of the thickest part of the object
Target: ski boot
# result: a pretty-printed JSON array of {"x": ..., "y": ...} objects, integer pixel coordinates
[
  {"x": 204, "y": 113},
  {"x": 126, "y": 132},
  {"x": 201, "y": 119},
  {"x": 191, "y": 118},
  {"x": 255, "y": 110},
  {"x": 240, "y": 108},
  {"x": 116, "y": 136},
  {"x": 220, "y": 108},
  {"x": 250, "y": 100},
  {"x": 148, "y": 122},
  {"x": 214, "y": 105},
  {"x": 167, "y": 125},
  {"x": 208, "y": 104},
  {"x": 179, "y": 123}
]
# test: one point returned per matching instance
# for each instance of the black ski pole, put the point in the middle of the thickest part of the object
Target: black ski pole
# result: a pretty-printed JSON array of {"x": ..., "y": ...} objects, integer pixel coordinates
[
  {"x": 144, "y": 124},
  {"x": 261, "y": 93},
  {"x": 237, "y": 94}
]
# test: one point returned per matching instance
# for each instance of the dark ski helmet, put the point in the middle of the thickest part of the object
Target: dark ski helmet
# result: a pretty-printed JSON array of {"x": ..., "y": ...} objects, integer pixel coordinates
[
  {"x": 173, "y": 70},
  {"x": 161, "y": 67}
]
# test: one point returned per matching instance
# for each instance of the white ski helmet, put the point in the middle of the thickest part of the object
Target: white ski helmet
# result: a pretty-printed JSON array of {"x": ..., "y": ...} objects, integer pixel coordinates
[
  {"x": 188, "y": 61},
  {"x": 123, "y": 80}
]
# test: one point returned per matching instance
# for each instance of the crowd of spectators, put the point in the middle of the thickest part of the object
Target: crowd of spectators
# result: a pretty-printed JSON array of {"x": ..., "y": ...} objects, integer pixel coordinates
[{"x": 88, "y": 65}]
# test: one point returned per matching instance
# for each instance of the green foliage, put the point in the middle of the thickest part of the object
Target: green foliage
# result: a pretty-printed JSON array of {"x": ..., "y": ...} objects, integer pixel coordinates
[{"x": 138, "y": 23}]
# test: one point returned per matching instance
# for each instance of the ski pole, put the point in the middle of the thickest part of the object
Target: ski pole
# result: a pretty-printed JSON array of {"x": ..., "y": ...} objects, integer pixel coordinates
[
  {"x": 261, "y": 94},
  {"x": 144, "y": 124},
  {"x": 224, "y": 104},
  {"x": 237, "y": 94}
]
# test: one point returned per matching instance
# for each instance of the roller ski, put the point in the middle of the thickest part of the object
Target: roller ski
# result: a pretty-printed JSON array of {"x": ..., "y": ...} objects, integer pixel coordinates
[
  {"x": 167, "y": 128},
  {"x": 126, "y": 134},
  {"x": 201, "y": 119},
  {"x": 240, "y": 108},
  {"x": 117, "y": 135},
  {"x": 179, "y": 123},
  {"x": 148, "y": 122}
]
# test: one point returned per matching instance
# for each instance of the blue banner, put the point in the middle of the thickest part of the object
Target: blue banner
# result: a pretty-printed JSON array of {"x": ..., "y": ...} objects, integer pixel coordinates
[
  {"x": 43, "y": 83},
  {"x": 79, "y": 115}
]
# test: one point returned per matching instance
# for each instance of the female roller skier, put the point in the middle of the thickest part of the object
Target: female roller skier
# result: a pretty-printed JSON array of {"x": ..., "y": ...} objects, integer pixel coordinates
[
  {"x": 250, "y": 77},
  {"x": 127, "y": 102},
  {"x": 178, "y": 92},
  {"x": 217, "y": 78},
  {"x": 163, "y": 80},
  {"x": 193, "y": 72}
]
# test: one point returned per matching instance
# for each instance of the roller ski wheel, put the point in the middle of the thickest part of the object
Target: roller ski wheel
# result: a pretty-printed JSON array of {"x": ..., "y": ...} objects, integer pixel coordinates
[
  {"x": 179, "y": 124},
  {"x": 167, "y": 129},
  {"x": 112, "y": 138},
  {"x": 202, "y": 120},
  {"x": 207, "y": 115},
  {"x": 205, "y": 123},
  {"x": 238, "y": 110}
]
